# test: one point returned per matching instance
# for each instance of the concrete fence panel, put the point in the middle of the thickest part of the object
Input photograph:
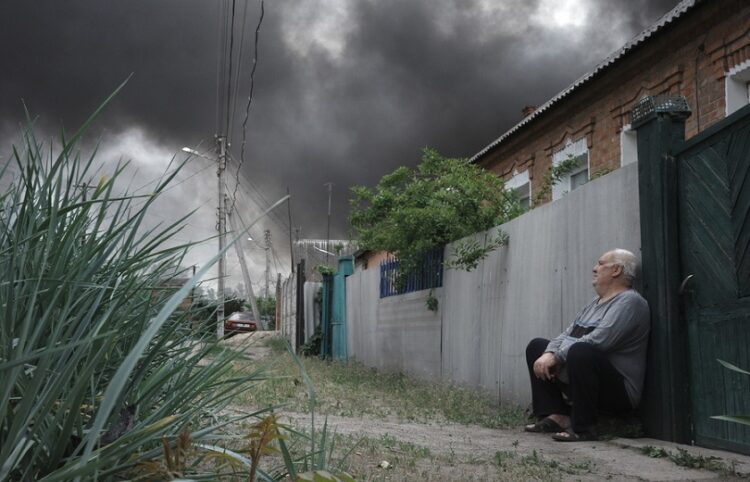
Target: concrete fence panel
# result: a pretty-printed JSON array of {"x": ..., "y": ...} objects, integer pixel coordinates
[
  {"x": 409, "y": 334},
  {"x": 529, "y": 286},
  {"x": 532, "y": 287},
  {"x": 362, "y": 295}
]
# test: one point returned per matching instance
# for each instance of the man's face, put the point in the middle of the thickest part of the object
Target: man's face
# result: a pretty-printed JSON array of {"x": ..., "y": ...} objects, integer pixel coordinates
[{"x": 604, "y": 273}]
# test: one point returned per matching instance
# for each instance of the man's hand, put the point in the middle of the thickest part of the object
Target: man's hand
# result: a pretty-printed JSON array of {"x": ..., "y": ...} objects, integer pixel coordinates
[{"x": 545, "y": 366}]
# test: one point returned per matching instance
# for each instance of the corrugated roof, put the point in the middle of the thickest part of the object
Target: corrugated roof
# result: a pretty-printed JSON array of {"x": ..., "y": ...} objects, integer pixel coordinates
[{"x": 666, "y": 19}]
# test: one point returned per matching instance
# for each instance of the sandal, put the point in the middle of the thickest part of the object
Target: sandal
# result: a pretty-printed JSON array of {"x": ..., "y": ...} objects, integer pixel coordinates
[
  {"x": 570, "y": 436},
  {"x": 545, "y": 425}
]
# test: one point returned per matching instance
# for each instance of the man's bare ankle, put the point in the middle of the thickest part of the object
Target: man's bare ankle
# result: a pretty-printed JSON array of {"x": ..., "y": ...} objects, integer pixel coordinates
[{"x": 561, "y": 420}]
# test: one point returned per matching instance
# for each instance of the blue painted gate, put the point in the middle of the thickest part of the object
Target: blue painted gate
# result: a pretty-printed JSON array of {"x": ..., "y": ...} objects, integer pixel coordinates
[
  {"x": 333, "y": 316},
  {"x": 338, "y": 311}
]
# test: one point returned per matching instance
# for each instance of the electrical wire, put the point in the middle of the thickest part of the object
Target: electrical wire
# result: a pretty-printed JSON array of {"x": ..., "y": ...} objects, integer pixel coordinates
[
  {"x": 249, "y": 101},
  {"x": 252, "y": 201},
  {"x": 229, "y": 72},
  {"x": 240, "y": 58},
  {"x": 276, "y": 260},
  {"x": 186, "y": 179},
  {"x": 166, "y": 172},
  {"x": 273, "y": 216},
  {"x": 220, "y": 60},
  {"x": 260, "y": 199}
]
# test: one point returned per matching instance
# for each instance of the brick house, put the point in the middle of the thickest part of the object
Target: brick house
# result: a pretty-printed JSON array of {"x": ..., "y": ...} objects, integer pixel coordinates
[{"x": 700, "y": 50}]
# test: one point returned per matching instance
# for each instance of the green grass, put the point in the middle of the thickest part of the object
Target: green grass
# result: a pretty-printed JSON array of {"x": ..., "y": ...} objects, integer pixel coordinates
[
  {"x": 352, "y": 389},
  {"x": 683, "y": 458},
  {"x": 535, "y": 467},
  {"x": 276, "y": 343},
  {"x": 610, "y": 427}
]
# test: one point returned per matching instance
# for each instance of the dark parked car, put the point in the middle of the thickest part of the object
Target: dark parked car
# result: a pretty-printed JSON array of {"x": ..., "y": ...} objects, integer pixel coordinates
[{"x": 239, "y": 322}]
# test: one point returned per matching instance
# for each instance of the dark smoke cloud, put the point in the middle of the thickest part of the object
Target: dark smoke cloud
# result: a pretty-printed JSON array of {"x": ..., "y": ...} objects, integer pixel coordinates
[{"x": 345, "y": 90}]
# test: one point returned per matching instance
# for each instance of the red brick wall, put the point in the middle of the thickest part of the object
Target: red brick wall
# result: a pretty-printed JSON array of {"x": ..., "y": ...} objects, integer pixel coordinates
[
  {"x": 372, "y": 259},
  {"x": 689, "y": 58}
]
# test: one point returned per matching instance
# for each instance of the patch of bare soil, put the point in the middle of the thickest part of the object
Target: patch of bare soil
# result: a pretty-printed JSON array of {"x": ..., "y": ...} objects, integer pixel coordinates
[
  {"x": 374, "y": 448},
  {"x": 461, "y": 452},
  {"x": 254, "y": 340}
]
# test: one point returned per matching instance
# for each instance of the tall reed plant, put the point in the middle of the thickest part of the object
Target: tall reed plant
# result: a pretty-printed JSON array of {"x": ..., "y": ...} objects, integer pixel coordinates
[{"x": 97, "y": 369}]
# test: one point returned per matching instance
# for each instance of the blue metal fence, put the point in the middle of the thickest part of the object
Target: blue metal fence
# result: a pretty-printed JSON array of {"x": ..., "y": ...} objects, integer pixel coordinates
[{"x": 429, "y": 275}]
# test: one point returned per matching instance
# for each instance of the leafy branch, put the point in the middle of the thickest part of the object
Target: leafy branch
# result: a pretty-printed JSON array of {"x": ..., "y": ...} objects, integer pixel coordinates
[
  {"x": 556, "y": 174},
  {"x": 410, "y": 212},
  {"x": 467, "y": 254}
]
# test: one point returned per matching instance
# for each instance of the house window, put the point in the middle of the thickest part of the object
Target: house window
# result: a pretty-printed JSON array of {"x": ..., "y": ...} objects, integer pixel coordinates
[
  {"x": 521, "y": 186},
  {"x": 737, "y": 87},
  {"x": 628, "y": 146},
  {"x": 579, "y": 151}
]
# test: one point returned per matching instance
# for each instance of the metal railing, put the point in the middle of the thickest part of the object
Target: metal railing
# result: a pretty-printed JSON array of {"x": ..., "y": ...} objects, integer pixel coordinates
[{"x": 428, "y": 275}]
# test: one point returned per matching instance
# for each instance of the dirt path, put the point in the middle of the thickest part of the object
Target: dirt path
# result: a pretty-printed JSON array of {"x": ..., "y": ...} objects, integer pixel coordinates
[
  {"x": 469, "y": 446},
  {"x": 389, "y": 449}
]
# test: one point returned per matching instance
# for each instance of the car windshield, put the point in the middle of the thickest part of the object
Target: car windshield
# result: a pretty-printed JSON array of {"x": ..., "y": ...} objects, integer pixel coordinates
[{"x": 242, "y": 316}]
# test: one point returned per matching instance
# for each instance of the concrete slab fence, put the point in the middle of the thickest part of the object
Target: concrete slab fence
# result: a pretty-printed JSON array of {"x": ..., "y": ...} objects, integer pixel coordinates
[{"x": 532, "y": 287}]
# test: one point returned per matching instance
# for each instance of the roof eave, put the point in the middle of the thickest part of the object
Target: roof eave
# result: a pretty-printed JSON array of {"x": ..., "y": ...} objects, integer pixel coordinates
[{"x": 678, "y": 11}]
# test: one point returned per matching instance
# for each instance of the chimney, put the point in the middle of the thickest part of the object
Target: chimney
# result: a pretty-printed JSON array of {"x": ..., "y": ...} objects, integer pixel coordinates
[{"x": 528, "y": 110}]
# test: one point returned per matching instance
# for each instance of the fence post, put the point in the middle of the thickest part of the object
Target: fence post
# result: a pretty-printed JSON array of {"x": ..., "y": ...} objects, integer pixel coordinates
[
  {"x": 300, "y": 329},
  {"x": 660, "y": 125}
]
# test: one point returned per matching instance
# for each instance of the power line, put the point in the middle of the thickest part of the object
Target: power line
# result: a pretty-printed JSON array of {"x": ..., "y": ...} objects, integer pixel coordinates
[
  {"x": 261, "y": 208},
  {"x": 186, "y": 179},
  {"x": 249, "y": 102},
  {"x": 276, "y": 260},
  {"x": 220, "y": 60},
  {"x": 161, "y": 176},
  {"x": 229, "y": 73},
  {"x": 259, "y": 199},
  {"x": 239, "y": 63},
  {"x": 254, "y": 198}
]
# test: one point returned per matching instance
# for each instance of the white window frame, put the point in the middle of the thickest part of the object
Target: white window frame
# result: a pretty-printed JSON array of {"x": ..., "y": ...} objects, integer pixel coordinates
[
  {"x": 628, "y": 146},
  {"x": 737, "y": 87},
  {"x": 518, "y": 180},
  {"x": 576, "y": 148}
]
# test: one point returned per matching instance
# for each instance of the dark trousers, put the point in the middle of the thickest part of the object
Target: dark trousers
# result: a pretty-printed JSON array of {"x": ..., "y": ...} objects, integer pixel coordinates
[{"x": 594, "y": 384}]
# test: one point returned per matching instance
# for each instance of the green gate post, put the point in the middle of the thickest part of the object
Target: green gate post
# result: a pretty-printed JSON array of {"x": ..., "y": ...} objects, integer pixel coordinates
[
  {"x": 325, "y": 316},
  {"x": 338, "y": 312},
  {"x": 660, "y": 125}
]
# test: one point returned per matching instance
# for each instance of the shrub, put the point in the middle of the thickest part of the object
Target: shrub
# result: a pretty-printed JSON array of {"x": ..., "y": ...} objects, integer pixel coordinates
[{"x": 411, "y": 212}]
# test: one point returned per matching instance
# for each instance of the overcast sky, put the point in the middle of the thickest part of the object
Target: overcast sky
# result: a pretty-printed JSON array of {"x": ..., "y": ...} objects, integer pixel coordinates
[{"x": 345, "y": 90}]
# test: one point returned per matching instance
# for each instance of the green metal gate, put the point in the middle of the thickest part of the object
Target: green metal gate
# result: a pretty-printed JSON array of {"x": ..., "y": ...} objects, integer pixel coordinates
[
  {"x": 695, "y": 213},
  {"x": 714, "y": 206},
  {"x": 333, "y": 316},
  {"x": 338, "y": 311}
]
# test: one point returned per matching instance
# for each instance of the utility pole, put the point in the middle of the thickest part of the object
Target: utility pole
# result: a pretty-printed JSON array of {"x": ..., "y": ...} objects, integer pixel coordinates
[
  {"x": 267, "y": 236},
  {"x": 221, "y": 142},
  {"x": 289, "y": 211},
  {"x": 297, "y": 249},
  {"x": 245, "y": 272},
  {"x": 277, "y": 324},
  {"x": 328, "y": 229}
]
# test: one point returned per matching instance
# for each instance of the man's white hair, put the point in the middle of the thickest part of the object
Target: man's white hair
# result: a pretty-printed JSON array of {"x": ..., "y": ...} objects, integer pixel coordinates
[{"x": 628, "y": 261}]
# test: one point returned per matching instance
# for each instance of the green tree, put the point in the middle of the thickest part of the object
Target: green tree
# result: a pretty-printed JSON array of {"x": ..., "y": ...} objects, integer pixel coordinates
[
  {"x": 232, "y": 305},
  {"x": 267, "y": 306},
  {"x": 442, "y": 200}
]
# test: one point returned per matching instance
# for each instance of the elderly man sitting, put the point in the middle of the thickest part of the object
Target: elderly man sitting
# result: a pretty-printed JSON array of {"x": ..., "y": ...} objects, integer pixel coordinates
[{"x": 598, "y": 362}]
